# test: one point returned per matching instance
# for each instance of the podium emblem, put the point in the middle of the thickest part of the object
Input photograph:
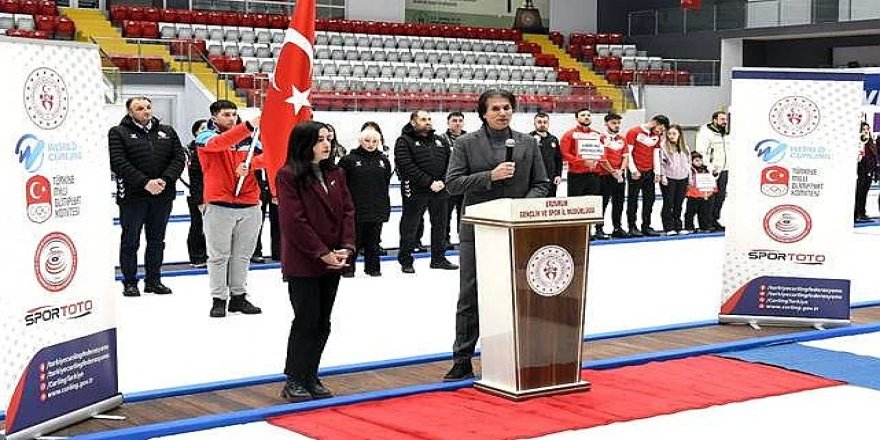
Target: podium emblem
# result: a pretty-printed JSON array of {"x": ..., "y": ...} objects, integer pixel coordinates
[{"x": 550, "y": 270}]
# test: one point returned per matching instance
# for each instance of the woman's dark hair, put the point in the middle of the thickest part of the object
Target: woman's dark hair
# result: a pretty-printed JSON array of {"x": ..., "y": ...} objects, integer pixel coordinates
[
  {"x": 300, "y": 151},
  {"x": 493, "y": 93}
]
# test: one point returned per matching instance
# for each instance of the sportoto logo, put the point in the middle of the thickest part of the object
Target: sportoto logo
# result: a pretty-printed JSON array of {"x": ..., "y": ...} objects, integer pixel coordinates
[
  {"x": 55, "y": 262},
  {"x": 794, "y": 116},
  {"x": 775, "y": 181},
  {"x": 38, "y": 194},
  {"x": 550, "y": 270},
  {"x": 787, "y": 223},
  {"x": 45, "y": 98}
]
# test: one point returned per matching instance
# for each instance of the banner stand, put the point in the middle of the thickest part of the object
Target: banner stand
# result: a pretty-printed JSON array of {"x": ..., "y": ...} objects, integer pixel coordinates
[{"x": 66, "y": 419}]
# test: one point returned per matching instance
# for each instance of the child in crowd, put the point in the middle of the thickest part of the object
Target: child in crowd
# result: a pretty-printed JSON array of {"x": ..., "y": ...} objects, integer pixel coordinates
[{"x": 698, "y": 196}]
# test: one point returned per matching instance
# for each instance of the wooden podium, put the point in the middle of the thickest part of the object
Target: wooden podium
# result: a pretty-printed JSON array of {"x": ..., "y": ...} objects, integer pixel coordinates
[{"x": 532, "y": 259}]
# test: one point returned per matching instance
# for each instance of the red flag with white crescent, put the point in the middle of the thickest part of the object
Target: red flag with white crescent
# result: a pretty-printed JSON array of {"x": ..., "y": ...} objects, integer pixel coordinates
[{"x": 287, "y": 94}]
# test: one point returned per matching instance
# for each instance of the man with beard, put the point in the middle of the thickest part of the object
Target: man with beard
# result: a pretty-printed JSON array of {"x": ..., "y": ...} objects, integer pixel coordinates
[
  {"x": 550, "y": 154},
  {"x": 454, "y": 130},
  {"x": 581, "y": 147},
  {"x": 713, "y": 144},
  {"x": 421, "y": 158},
  {"x": 614, "y": 165},
  {"x": 643, "y": 142}
]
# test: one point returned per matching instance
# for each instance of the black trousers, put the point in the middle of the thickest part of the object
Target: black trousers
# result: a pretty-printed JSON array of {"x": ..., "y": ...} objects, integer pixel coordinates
[
  {"x": 551, "y": 189},
  {"x": 702, "y": 209},
  {"x": 467, "y": 316},
  {"x": 645, "y": 186},
  {"x": 717, "y": 200},
  {"x": 312, "y": 299},
  {"x": 863, "y": 185},
  {"x": 195, "y": 239},
  {"x": 367, "y": 240},
  {"x": 613, "y": 191},
  {"x": 150, "y": 215},
  {"x": 413, "y": 210},
  {"x": 274, "y": 232},
  {"x": 584, "y": 184},
  {"x": 454, "y": 205},
  {"x": 673, "y": 199}
]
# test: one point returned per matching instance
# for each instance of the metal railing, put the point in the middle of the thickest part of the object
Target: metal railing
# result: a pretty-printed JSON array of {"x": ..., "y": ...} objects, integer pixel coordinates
[
  {"x": 748, "y": 15},
  {"x": 325, "y": 8},
  {"x": 703, "y": 72}
]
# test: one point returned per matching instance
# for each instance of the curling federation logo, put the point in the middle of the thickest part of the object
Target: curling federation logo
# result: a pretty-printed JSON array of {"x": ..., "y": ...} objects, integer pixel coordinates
[
  {"x": 55, "y": 262},
  {"x": 787, "y": 223},
  {"x": 794, "y": 116},
  {"x": 550, "y": 270},
  {"x": 45, "y": 98}
]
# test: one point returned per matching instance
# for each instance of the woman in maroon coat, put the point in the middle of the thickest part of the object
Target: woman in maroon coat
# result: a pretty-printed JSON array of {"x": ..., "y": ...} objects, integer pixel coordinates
[{"x": 317, "y": 236}]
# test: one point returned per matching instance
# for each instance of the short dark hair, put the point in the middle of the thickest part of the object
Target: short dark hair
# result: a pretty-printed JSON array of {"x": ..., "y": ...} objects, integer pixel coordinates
[
  {"x": 197, "y": 125},
  {"x": 541, "y": 115},
  {"x": 863, "y": 125},
  {"x": 695, "y": 155},
  {"x": 493, "y": 93},
  {"x": 661, "y": 120},
  {"x": 221, "y": 104},
  {"x": 415, "y": 114},
  {"x": 454, "y": 114},
  {"x": 136, "y": 98},
  {"x": 583, "y": 109},
  {"x": 716, "y": 114},
  {"x": 612, "y": 116}
]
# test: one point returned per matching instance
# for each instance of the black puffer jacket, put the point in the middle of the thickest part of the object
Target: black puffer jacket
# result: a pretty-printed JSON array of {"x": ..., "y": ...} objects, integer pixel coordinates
[
  {"x": 420, "y": 161},
  {"x": 137, "y": 156},
  {"x": 368, "y": 174}
]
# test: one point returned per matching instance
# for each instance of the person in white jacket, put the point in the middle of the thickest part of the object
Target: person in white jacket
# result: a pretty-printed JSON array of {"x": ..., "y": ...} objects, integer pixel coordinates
[{"x": 714, "y": 144}]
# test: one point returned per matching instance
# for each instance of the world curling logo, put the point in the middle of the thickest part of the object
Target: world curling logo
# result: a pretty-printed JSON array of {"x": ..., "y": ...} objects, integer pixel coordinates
[
  {"x": 794, "y": 116},
  {"x": 55, "y": 262},
  {"x": 550, "y": 270},
  {"x": 45, "y": 98}
]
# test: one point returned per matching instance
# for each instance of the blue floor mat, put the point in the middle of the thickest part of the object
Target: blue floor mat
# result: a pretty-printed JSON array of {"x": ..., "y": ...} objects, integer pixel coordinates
[{"x": 863, "y": 371}]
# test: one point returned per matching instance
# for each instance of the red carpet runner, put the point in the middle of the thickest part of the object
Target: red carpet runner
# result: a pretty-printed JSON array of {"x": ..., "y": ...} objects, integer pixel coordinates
[{"x": 618, "y": 395}]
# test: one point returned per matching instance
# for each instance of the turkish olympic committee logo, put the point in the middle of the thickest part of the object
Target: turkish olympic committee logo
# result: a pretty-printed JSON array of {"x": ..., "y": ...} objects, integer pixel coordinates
[
  {"x": 45, "y": 98},
  {"x": 775, "y": 181},
  {"x": 794, "y": 116},
  {"x": 550, "y": 270},
  {"x": 787, "y": 223},
  {"x": 38, "y": 194},
  {"x": 55, "y": 261}
]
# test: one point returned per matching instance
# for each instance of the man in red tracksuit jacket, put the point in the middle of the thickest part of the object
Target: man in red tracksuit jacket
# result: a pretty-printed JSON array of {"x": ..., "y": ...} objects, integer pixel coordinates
[
  {"x": 232, "y": 223},
  {"x": 581, "y": 148},
  {"x": 643, "y": 142}
]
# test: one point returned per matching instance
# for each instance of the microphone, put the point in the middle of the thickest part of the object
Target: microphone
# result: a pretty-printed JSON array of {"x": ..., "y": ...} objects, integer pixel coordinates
[{"x": 508, "y": 155}]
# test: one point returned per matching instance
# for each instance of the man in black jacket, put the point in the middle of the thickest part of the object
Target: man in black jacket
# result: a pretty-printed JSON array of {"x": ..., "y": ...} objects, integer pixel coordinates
[
  {"x": 147, "y": 158},
  {"x": 549, "y": 146},
  {"x": 421, "y": 158},
  {"x": 195, "y": 239}
]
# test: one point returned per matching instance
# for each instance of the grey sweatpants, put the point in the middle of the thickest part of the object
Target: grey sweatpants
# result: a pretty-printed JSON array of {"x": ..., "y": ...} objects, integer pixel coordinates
[{"x": 230, "y": 235}]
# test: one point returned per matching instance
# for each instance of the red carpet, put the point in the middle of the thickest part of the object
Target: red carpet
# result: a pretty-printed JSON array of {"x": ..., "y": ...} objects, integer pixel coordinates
[{"x": 618, "y": 395}]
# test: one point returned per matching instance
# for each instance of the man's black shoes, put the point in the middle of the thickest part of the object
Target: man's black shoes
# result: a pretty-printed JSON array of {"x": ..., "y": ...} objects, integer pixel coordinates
[
  {"x": 295, "y": 391},
  {"x": 131, "y": 290},
  {"x": 218, "y": 309},
  {"x": 158, "y": 288},
  {"x": 444, "y": 264},
  {"x": 240, "y": 304},
  {"x": 461, "y": 370}
]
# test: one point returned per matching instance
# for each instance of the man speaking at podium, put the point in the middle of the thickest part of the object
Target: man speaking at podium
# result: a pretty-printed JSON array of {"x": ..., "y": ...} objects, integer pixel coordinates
[{"x": 491, "y": 163}]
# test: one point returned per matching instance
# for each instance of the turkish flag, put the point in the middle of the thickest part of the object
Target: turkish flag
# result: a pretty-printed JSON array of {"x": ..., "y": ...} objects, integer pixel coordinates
[
  {"x": 287, "y": 94},
  {"x": 690, "y": 4}
]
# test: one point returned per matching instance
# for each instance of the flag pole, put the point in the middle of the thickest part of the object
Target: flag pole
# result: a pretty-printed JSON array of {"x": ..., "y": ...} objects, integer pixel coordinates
[{"x": 247, "y": 162}]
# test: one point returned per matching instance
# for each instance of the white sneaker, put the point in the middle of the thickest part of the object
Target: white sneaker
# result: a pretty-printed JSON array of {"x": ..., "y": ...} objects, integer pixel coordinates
[
  {"x": 685, "y": 232},
  {"x": 671, "y": 233}
]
